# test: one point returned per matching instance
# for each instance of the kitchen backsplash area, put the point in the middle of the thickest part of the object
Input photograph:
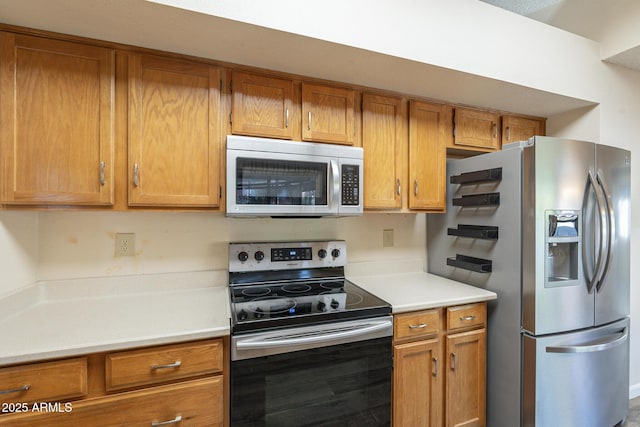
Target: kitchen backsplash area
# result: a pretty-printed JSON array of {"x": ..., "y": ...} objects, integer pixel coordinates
[{"x": 75, "y": 244}]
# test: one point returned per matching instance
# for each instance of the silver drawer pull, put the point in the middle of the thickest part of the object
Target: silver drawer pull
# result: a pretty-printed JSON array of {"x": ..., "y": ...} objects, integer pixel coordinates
[
  {"x": 420, "y": 326},
  {"x": 468, "y": 318},
  {"x": 176, "y": 420},
  {"x": 16, "y": 390},
  {"x": 175, "y": 364}
]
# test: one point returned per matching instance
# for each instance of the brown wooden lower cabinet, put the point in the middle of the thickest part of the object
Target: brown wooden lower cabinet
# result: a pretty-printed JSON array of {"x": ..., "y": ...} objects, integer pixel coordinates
[
  {"x": 191, "y": 389},
  {"x": 439, "y": 376},
  {"x": 195, "y": 403}
]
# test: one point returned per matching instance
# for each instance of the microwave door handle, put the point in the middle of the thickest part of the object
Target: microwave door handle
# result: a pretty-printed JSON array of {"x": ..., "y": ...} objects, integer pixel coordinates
[
  {"x": 608, "y": 230},
  {"x": 334, "y": 184}
]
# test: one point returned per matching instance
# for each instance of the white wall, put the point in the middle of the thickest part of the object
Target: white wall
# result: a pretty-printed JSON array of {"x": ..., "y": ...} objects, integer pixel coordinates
[
  {"x": 81, "y": 244},
  {"x": 18, "y": 250}
]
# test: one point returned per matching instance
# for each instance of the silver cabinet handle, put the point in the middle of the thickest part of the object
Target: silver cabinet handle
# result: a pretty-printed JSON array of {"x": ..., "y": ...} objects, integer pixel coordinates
[
  {"x": 102, "y": 178},
  {"x": 176, "y": 420},
  {"x": 420, "y": 326},
  {"x": 495, "y": 130},
  {"x": 508, "y": 133},
  {"x": 468, "y": 318},
  {"x": 398, "y": 188},
  {"x": 286, "y": 118},
  {"x": 415, "y": 187},
  {"x": 309, "y": 121},
  {"x": 453, "y": 361},
  {"x": 175, "y": 364},
  {"x": 136, "y": 181},
  {"x": 16, "y": 390},
  {"x": 435, "y": 367}
]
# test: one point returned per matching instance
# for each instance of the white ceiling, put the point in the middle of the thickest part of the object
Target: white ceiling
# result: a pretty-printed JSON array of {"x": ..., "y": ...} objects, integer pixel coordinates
[{"x": 587, "y": 18}]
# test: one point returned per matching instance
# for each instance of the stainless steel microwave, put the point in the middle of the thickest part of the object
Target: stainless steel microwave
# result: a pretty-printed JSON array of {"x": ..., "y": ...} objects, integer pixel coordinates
[{"x": 270, "y": 177}]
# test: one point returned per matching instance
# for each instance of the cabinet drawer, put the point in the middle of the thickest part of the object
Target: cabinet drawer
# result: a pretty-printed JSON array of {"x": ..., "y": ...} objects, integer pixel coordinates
[
  {"x": 41, "y": 382},
  {"x": 416, "y": 324},
  {"x": 158, "y": 364},
  {"x": 191, "y": 403},
  {"x": 466, "y": 316}
]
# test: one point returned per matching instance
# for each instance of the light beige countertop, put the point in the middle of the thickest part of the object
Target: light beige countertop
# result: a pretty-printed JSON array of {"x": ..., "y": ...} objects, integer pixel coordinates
[
  {"x": 80, "y": 316},
  {"x": 62, "y": 318},
  {"x": 416, "y": 290}
]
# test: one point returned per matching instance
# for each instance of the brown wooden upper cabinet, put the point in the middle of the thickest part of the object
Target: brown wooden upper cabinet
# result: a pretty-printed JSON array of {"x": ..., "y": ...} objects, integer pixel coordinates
[
  {"x": 516, "y": 128},
  {"x": 261, "y": 105},
  {"x": 175, "y": 141},
  {"x": 476, "y": 130},
  {"x": 429, "y": 133},
  {"x": 57, "y": 115},
  {"x": 328, "y": 114},
  {"x": 384, "y": 140}
]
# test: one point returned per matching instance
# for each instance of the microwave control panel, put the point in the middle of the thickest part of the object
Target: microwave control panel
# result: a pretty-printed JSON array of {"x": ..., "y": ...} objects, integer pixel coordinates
[{"x": 350, "y": 185}]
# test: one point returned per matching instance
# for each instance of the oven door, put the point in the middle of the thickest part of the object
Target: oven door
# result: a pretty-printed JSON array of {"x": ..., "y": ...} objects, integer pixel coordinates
[{"x": 330, "y": 375}]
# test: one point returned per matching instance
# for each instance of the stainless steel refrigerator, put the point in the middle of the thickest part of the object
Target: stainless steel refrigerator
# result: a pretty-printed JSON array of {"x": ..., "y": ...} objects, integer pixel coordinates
[{"x": 545, "y": 224}]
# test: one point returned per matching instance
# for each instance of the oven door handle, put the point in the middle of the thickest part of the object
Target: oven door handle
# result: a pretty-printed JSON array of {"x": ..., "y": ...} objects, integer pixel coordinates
[{"x": 313, "y": 337}]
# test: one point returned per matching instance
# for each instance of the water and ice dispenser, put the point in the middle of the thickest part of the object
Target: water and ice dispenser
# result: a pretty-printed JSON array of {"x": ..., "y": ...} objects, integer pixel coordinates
[{"x": 563, "y": 248}]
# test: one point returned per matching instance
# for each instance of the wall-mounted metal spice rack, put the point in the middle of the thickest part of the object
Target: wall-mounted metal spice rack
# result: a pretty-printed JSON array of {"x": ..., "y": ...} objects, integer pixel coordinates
[
  {"x": 494, "y": 174},
  {"x": 486, "y": 232},
  {"x": 484, "y": 199},
  {"x": 479, "y": 265}
]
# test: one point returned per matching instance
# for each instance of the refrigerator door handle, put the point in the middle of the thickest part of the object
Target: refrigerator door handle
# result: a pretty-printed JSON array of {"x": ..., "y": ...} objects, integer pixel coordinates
[
  {"x": 608, "y": 229},
  {"x": 591, "y": 280},
  {"x": 600, "y": 344}
]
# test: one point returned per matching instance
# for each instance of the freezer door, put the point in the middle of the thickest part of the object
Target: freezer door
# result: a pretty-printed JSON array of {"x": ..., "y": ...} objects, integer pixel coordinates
[
  {"x": 579, "y": 379},
  {"x": 613, "y": 167},
  {"x": 555, "y": 187}
]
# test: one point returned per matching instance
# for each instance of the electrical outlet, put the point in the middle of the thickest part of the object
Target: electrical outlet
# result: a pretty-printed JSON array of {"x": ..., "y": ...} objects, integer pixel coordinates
[
  {"x": 125, "y": 244},
  {"x": 387, "y": 238}
]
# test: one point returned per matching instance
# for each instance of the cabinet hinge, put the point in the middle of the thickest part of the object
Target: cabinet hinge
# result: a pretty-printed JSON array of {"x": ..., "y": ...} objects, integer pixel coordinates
[{"x": 453, "y": 119}]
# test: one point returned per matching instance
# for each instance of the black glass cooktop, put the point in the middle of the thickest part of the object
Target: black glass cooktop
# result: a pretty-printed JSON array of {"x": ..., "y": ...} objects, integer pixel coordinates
[{"x": 262, "y": 306}]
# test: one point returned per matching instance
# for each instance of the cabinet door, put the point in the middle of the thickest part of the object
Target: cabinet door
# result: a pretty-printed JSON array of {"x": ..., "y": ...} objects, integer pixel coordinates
[
  {"x": 261, "y": 106},
  {"x": 56, "y": 110},
  {"x": 476, "y": 129},
  {"x": 428, "y": 133},
  {"x": 327, "y": 114},
  {"x": 466, "y": 379},
  {"x": 194, "y": 403},
  {"x": 520, "y": 128},
  {"x": 417, "y": 384},
  {"x": 174, "y": 138},
  {"x": 383, "y": 141}
]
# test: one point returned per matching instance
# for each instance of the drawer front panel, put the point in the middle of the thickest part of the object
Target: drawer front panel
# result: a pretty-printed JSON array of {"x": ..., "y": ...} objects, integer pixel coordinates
[
  {"x": 41, "y": 382},
  {"x": 416, "y": 324},
  {"x": 191, "y": 403},
  {"x": 159, "y": 364},
  {"x": 466, "y": 316}
]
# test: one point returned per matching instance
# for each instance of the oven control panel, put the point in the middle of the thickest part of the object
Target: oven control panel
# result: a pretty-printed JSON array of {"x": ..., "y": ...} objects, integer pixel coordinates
[{"x": 262, "y": 256}]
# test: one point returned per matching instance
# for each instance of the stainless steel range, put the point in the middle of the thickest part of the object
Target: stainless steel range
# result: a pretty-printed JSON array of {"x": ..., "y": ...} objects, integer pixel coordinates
[{"x": 308, "y": 347}]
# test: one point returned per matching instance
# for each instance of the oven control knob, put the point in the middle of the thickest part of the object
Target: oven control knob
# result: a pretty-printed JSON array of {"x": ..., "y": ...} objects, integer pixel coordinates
[
  {"x": 322, "y": 306},
  {"x": 334, "y": 304},
  {"x": 258, "y": 313},
  {"x": 243, "y": 256},
  {"x": 335, "y": 253},
  {"x": 259, "y": 256},
  {"x": 242, "y": 315},
  {"x": 322, "y": 253}
]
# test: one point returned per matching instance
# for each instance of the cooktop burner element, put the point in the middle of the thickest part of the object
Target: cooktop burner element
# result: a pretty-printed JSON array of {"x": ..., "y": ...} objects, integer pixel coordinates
[{"x": 294, "y": 283}]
